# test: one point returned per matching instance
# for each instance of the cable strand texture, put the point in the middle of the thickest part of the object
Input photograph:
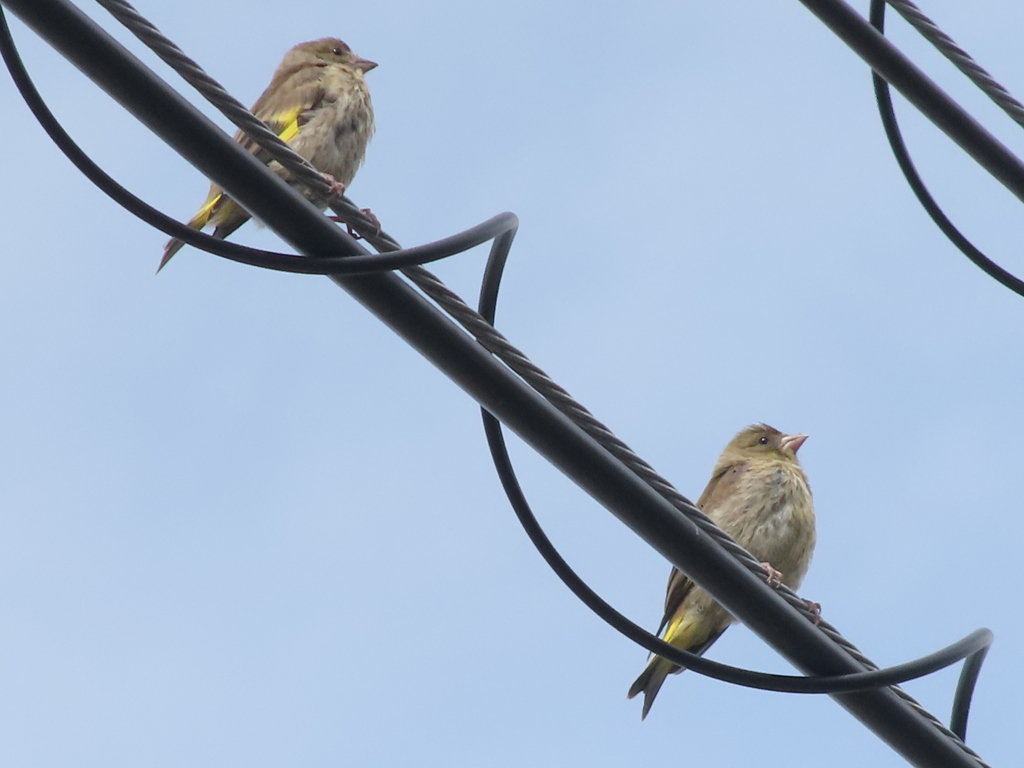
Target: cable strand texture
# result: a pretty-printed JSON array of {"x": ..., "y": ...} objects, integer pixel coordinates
[
  {"x": 472, "y": 321},
  {"x": 960, "y": 58}
]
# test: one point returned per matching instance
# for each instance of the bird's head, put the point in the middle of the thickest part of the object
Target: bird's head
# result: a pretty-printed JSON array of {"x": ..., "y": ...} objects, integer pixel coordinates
[
  {"x": 761, "y": 440},
  {"x": 329, "y": 50}
]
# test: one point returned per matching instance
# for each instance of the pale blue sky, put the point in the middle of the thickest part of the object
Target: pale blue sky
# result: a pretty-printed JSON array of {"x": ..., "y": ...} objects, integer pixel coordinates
[{"x": 241, "y": 523}]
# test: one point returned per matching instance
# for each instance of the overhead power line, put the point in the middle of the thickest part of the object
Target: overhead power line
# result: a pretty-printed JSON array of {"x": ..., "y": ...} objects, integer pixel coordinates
[{"x": 512, "y": 389}]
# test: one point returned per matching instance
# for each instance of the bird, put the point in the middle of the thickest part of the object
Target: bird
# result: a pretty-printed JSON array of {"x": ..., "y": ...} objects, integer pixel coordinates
[
  {"x": 759, "y": 495},
  {"x": 318, "y": 102}
]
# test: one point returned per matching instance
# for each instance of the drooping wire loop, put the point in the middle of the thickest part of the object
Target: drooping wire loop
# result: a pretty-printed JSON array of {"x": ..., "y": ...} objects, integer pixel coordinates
[
  {"x": 502, "y": 229},
  {"x": 972, "y": 648},
  {"x": 983, "y": 80}
]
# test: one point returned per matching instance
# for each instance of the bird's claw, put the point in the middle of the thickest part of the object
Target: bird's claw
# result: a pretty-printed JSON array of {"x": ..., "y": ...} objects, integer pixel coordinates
[
  {"x": 337, "y": 189},
  {"x": 373, "y": 220},
  {"x": 772, "y": 576},
  {"x": 815, "y": 610},
  {"x": 351, "y": 232}
]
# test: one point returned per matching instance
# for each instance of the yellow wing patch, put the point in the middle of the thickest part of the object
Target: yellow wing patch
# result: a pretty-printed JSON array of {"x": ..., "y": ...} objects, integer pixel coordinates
[
  {"x": 287, "y": 126},
  {"x": 202, "y": 217},
  {"x": 286, "y": 123},
  {"x": 290, "y": 131},
  {"x": 687, "y": 631}
]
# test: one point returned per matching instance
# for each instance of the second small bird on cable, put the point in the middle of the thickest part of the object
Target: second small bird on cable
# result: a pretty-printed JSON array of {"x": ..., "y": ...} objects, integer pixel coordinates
[
  {"x": 317, "y": 102},
  {"x": 759, "y": 495}
]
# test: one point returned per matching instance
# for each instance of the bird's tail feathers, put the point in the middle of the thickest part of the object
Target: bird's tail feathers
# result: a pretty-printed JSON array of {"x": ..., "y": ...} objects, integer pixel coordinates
[
  {"x": 197, "y": 222},
  {"x": 650, "y": 682},
  {"x": 684, "y": 632}
]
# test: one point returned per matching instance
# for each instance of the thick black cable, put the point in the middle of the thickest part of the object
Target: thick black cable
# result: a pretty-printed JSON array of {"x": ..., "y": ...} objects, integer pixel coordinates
[
  {"x": 960, "y": 58},
  {"x": 477, "y": 325},
  {"x": 899, "y": 149},
  {"x": 282, "y": 262},
  {"x": 154, "y": 39},
  {"x": 298, "y": 168},
  {"x": 973, "y": 647},
  {"x": 890, "y": 713},
  {"x": 967, "y": 647},
  {"x": 291, "y": 263},
  {"x": 774, "y": 682}
]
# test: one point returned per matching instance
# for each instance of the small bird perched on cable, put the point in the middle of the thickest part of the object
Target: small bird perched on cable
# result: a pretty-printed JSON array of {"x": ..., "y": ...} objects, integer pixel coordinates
[
  {"x": 759, "y": 495},
  {"x": 317, "y": 102}
]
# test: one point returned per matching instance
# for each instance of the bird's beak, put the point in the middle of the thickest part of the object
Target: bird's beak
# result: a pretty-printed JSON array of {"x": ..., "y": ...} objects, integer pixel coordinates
[
  {"x": 365, "y": 65},
  {"x": 793, "y": 442}
]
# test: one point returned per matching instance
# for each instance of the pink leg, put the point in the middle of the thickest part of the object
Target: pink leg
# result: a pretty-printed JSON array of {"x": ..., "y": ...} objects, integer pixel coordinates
[
  {"x": 815, "y": 609},
  {"x": 373, "y": 220},
  {"x": 772, "y": 576},
  {"x": 351, "y": 232},
  {"x": 337, "y": 188}
]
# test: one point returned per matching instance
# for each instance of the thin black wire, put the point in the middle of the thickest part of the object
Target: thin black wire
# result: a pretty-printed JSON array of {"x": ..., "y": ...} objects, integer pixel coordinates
[
  {"x": 973, "y": 647},
  {"x": 298, "y": 168},
  {"x": 965, "y": 690},
  {"x": 899, "y": 149},
  {"x": 282, "y": 262},
  {"x": 496, "y": 343},
  {"x": 970, "y": 647}
]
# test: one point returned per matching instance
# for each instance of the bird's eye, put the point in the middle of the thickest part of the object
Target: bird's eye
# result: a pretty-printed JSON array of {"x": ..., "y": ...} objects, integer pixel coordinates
[
  {"x": 763, "y": 440},
  {"x": 337, "y": 52}
]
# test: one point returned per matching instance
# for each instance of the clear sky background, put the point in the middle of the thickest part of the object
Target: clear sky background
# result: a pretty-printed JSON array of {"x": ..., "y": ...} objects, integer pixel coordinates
[{"x": 241, "y": 523}]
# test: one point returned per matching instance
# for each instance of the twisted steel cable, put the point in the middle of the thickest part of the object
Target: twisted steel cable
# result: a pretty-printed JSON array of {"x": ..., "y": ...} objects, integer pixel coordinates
[
  {"x": 237, "y": 113},
  {"x": 431, "y": 285},
  {"x": 960, "y": 58},
  {"x": 474, "y": 322},
  {"x": 899, "y": 146}
]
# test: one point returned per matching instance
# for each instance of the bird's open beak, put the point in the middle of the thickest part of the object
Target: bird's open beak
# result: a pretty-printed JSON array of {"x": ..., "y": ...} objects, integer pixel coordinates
[
  {"x": 365, "y": 65},
  {"x": 793, "y": 442}
]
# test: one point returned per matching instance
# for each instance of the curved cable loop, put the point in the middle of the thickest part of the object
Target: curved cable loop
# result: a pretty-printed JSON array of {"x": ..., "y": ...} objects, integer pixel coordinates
[
  {"x": 972, "y": 648},
  {"x": 282, "y": 262},
  {"x": 965, "y": 690},
  {"x": 297, "y": 167},
  {"x": 899, "y": 147},
  {"x": 496, "y": 343},
  {"x": 195, "y": 76}
]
